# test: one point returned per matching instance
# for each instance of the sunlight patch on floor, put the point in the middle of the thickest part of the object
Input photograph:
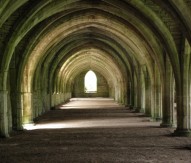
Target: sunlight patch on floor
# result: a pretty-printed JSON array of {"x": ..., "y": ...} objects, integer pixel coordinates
[
  {"x": 94, "y": 123},
  {"x": 91, "y": 103}
]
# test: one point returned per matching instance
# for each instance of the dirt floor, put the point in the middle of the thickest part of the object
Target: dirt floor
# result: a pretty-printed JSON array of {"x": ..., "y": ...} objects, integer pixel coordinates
[{"x": 95, "y": 135}]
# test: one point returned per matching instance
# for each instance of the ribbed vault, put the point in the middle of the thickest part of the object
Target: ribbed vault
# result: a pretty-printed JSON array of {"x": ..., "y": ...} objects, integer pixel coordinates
[
  {"x": 63, "y": 31},
  {"x": 140, "y": 47}
]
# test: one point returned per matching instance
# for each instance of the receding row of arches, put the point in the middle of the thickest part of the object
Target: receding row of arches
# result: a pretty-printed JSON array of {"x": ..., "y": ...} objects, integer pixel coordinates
[{"x": 139, "y": 50}]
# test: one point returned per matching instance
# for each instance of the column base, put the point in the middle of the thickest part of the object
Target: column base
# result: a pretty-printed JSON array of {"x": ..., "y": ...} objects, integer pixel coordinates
[
  {"x": 20, "y": 128},
  {"x": 158, "y": 119},
  {"x": 166, "y": 125},
  {"x": 142, "y": 110},
  {"x": 131, "y": 107},
  {"x": 127, "y": 106},
  {"x": 153, "y": 119},
  {"x": 182, "y": 132},
  {"x": 4, "y": 135},
  {"x": 139, "y": 110}
]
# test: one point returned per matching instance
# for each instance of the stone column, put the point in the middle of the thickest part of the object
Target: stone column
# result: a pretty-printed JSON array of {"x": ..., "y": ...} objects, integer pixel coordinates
[
  {"x": 143, "y": 92},
  {"x": 131, "y": 103},
  {"x": 35, "y": 103},
  {"x": 183, "y": 95},
  {"x": 116, "y": 93},
  {"x": 135, "y": 91},
  {"x": 18, "y": 112},
  {"x": 152, "y": 100},
  {"x": 139, "y": 90},
  {"x": 27, "y": 108},
  {"x": 157, "y": 100},
  {"x": 128, "y": 94},
  {"x": 147, "y": 95},
  {"x": 39, "y": 103},
  {"x": 53, "y": 100},
  {"x": 124, "y": 94},
  {"x": 4, "y": 114},
  {"x": 167, "y": 97},
  {"x": 174, "y": 102}
]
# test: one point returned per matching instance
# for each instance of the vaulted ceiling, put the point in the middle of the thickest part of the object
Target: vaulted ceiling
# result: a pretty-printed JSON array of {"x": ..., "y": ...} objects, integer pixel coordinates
[
  {"x": 116, "y": 37},
  {"x": 134, "y": 44}
]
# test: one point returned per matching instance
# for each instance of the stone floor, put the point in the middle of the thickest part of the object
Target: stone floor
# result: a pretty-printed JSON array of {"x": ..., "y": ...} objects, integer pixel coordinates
[{"x": 101, "y": 134}]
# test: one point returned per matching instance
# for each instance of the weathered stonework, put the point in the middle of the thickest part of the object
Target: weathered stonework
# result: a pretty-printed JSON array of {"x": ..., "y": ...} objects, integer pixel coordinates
[{"x": 139, "y": 49}]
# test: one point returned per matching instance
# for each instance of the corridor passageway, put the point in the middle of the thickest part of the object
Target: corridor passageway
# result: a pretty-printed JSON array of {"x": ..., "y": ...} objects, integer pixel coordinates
[
  {"x": 95, "y": 81},
  {"x": 95, "y": 134},
  {"x": 91, "y": 113}
]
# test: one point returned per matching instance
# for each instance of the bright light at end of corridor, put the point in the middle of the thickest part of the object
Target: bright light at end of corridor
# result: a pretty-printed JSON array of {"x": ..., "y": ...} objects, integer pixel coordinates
[{"x": 90, "y": 82}]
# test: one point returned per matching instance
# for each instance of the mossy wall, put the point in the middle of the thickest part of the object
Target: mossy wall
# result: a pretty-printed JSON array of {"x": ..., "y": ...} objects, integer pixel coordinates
[{"x": 102, "y": 86}]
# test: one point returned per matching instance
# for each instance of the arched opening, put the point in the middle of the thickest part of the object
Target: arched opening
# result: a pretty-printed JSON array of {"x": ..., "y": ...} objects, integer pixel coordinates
[{"x": 90, "y": 82}]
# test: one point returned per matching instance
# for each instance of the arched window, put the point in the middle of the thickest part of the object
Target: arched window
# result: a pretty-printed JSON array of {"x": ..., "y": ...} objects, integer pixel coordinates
[{"x": 90, "y": 82}]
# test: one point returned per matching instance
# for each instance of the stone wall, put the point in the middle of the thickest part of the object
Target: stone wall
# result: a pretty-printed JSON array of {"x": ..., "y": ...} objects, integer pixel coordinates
[{"x": 102, "y": 87}]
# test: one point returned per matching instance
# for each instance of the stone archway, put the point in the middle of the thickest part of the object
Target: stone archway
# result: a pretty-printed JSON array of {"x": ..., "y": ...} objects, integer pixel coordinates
[{"x": 139, "y": 47}]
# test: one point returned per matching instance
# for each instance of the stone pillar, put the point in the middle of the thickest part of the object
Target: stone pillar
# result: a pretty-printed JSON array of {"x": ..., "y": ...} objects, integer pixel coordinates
[
  {"x": 167, "y": 97},
  {"x": 139, "y": 91},
  {"x": 147, "y": 95},
  {"x": 131, "y": 98},
  {"x": 134, "y": 91},
  {"x": 43, "y": 103},
  {"x": 18, "y": 112},
  {"x": 157, "y": 100},
  {"x": 143, "y": 93},
  {"x": 125, "y": 93},
  {"x": 10, "y": 120},
  {"x": 4, "y": 114},
  {"x": 174, "y": 102},
  {"x": 116, "y": 93},
  {"x": 40, "y": 103},
  {"x": 53, "y": 100},
  {"x": 183, "y": 95},
  {"x": 35, "y": 103},
  {"x": 128, "y": 94},
  {"x": 47, "y": 104},
  {"x": 27, "y": 108},
  {"x": 152, "y": 101}
]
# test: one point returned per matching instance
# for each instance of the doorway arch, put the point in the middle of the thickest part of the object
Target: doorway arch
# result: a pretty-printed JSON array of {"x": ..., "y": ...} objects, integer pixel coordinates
[{"x": 90, "y": 82}]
